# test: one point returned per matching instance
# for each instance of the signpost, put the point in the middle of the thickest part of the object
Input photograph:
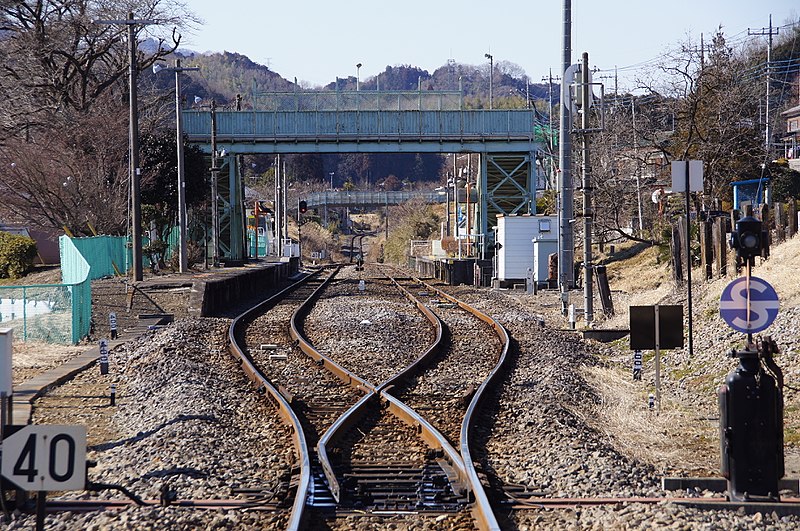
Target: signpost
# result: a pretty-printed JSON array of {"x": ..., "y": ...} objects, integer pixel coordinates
[
  {"x": 112, "y": 323},
  {"x": 44, "y": 458},
  {"x": 687, "y": 176},
  {"x": 656, "y": 327},
  {"x": 103, "y": 356},
  {"x": 637, "y": 364}
]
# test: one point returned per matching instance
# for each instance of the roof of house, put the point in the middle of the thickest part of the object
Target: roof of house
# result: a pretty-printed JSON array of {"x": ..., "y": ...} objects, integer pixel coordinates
[{"x": 794, "y": 111}]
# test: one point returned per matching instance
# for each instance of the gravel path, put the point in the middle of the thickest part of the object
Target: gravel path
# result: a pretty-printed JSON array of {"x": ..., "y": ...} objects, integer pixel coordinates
[{"x": 349, "y": 327}]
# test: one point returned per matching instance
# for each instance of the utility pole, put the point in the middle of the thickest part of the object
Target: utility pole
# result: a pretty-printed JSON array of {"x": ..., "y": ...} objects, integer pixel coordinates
[
  {"x": 767, "y": 31},
  {"x": 134, "y": 170},
  {"x": 490, "y": 57},
  {"x": 586, "y": 93},
  {"x": 638, "y": 166},
  {"x": 566, "y": 274}
]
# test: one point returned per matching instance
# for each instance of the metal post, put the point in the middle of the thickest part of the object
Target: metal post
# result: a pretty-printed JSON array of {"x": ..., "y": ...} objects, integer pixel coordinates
[
  {"x": 278, "y": 205},
  {"x": 447, "y": 209},
  {"x": 658, "y": 358},
  {"x": 41, "y": 509},
  {"x": 214, "y": 188},
  {"x": 638, "y": 169},
  {"x": 182, "y": 250},
  {"x": 283, "y": 203},
  {"x": 689, "y": 262},
  {"x": 587, "y": 194},
  {"x": 490, "y": 57},
  {"x": 565, "y": 241}
]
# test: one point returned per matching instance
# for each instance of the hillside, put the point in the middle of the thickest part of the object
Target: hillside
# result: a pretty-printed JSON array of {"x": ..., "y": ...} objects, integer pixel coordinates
[{"x": 685, "y": 434}]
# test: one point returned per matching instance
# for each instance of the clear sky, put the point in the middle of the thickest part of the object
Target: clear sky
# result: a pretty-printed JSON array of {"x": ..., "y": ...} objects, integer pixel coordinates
[{"x": 318, "y": 40}]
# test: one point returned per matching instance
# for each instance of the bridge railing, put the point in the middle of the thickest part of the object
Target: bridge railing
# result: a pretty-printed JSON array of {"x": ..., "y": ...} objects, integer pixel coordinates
[
  {"x": 344, "y": 198},
  {"x": 319, "y": 101},
  {"x": 514, "y": 124}
]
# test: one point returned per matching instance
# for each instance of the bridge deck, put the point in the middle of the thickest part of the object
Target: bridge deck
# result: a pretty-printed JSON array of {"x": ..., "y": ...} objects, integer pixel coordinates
[{"x": 335, "y": 131}]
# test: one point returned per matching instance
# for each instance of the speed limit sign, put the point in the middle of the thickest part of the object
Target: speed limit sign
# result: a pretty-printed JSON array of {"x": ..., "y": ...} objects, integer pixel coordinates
[{"x": 46, "y": 457}]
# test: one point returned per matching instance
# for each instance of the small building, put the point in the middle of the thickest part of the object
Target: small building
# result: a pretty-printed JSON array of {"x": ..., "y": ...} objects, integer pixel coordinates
[
  {"x": 524, "y": 242},
  {"x": 47, "y": 251},
  {"x": 791, "y": 142}
]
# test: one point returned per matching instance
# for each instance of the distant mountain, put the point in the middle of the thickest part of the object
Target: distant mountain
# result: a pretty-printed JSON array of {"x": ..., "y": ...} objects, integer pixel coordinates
[{"x": 227, "y": 74}]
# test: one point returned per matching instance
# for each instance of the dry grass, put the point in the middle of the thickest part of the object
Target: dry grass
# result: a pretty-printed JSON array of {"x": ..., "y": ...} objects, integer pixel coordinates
[
  {"x": 673, "y": 439},
  {"x": 684, "y": 436}
]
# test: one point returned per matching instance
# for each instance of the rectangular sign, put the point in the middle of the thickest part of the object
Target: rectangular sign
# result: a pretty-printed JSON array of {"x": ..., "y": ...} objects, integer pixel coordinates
[
  {"x": 679, "y": 175},
  {"x": 5, "y": 360},
  {"x": 643, "y": 327}
]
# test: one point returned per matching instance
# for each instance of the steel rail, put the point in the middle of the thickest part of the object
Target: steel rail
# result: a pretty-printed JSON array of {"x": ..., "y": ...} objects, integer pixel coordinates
[
  {"x": 429, "y": 434},
  {"x": 235, "y": 332},
  {"x": 352, "y": 415},
  {"x": 457, "y": 473},
  {"x": 482, "y": 509}
]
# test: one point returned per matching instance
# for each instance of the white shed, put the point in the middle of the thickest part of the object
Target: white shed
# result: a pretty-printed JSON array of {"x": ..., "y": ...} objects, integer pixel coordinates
[{"x": 515, "y": 234}]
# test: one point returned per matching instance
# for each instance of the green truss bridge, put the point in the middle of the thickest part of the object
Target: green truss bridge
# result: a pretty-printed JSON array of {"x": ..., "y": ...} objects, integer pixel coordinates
[{"x": 508, "y": 141}]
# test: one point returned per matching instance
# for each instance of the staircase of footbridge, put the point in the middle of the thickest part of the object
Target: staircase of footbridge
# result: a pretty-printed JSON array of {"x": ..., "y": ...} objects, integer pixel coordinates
[{"x": 507, "y": 140}]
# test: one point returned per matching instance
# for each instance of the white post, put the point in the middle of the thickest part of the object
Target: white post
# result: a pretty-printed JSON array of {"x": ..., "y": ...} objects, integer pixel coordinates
[
  {"x": 183, "y": 259},
  {"x": 6, "y": 335}
]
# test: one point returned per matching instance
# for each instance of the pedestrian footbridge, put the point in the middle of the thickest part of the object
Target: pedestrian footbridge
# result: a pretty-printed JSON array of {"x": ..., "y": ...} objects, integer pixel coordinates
[{"x": 508, "y": 140}]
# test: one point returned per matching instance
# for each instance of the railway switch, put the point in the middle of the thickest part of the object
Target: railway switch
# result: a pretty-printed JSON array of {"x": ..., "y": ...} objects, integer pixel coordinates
[{"x": 751, "y": 425}]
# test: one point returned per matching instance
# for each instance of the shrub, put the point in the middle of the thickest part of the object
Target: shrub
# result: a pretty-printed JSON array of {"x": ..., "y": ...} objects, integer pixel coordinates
[{"x": 16, "y": 255}]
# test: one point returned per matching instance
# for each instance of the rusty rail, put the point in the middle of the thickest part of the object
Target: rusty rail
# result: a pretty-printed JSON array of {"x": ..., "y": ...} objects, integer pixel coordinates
[
  {"x": 482, "y": 509},
  {"x": 284, "y": 408}
]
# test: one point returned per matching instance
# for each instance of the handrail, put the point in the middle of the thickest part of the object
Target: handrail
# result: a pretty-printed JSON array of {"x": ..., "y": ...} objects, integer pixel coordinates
[{"x": 284, "y": 408}]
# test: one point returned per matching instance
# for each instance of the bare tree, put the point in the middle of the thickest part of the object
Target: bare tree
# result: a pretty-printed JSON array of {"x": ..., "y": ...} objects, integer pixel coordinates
[{"x": 63, "y": 105}]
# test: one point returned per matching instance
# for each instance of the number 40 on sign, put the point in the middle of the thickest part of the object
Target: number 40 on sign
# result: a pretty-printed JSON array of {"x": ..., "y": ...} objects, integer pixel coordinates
[{"x": 46, "y": 458}]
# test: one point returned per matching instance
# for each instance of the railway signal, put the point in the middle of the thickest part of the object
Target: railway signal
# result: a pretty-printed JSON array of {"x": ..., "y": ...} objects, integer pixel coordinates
[
  {"x": 752, "y": 458},
  {"x": 749, "y": 240}
]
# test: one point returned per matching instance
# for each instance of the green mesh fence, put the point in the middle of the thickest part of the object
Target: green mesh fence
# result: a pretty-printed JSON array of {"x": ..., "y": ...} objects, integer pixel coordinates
[
  {"x": 41, "y": 311},
  {"x": 61, "y": 313}
]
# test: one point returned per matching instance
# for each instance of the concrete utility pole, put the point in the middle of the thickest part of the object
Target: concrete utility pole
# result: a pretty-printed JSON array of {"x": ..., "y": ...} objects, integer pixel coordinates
[
  {"x": 182, "y": 249},
  {"x": 134, "y": 170},
  {"x": 586, "y": 93},
  {"x": 566, "y": 274},
  {"x": 767, "y": 31}
]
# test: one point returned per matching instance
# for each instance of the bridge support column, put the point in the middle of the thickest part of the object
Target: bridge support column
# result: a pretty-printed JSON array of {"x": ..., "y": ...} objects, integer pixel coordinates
[
  {"x": 231, "y": 223},
  {"x": 508, "y": 186}
]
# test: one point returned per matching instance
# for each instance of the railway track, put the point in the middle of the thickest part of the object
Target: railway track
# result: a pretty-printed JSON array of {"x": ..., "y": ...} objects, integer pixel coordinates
[{"x": 378, "y": 455}]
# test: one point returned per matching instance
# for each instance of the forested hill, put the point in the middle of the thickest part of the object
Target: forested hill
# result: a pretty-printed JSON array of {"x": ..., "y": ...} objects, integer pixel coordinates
[{"x": 223, "y": 75}]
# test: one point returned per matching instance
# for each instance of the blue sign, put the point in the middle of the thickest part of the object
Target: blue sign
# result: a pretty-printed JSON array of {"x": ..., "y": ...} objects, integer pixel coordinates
[{"x": 763, "y": 305}]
